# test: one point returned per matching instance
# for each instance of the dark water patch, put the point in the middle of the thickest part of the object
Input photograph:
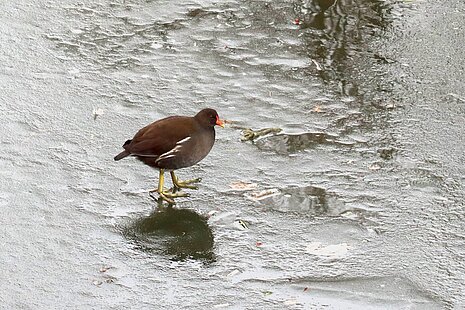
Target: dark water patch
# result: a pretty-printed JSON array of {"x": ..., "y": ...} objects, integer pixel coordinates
[
  {"x": 178, "y": 233},
  {"x": 337, "y": 35},
  {"x": 318, "y": 202},
  {"x": 309, "y": 200},
  {"x": 285, "y": 144}
]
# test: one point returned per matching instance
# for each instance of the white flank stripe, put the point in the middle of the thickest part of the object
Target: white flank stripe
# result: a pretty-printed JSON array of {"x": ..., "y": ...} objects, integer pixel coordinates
[
  {"x": 177, "y": 148},
  {"x": 183, "y": 140}
]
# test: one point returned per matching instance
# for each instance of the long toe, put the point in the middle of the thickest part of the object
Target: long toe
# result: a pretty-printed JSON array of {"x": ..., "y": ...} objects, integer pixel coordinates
[
  {"x": 196, "y": 180},
  {"x": 168, "y": 195},
  {"x": 175, "y": 195},
  {"x": 184, "y": 185},
  {"x": 187, "y": 183},
  {"x": 167, "y": 199}
]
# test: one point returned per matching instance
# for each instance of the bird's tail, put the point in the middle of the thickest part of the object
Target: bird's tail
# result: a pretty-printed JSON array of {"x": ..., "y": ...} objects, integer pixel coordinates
[{"x": 123, "y": 153}]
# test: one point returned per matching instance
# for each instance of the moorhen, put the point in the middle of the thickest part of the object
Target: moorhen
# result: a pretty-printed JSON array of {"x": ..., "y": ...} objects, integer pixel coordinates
[{"x": 172, "y": 143}]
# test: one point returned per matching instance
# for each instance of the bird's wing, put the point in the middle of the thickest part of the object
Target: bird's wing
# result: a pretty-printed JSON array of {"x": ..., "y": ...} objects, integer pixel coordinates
[{"x": 159, "y": 137}]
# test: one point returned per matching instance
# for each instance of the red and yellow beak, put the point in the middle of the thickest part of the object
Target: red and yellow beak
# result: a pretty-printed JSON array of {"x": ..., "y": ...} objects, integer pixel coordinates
[{"x": 219, "y": 122}]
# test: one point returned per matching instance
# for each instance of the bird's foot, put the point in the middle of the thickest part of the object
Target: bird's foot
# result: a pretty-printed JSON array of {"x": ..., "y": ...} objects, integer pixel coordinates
[
  {"x": 186, "y": 184},
  {"x": 169, "y": 196}
]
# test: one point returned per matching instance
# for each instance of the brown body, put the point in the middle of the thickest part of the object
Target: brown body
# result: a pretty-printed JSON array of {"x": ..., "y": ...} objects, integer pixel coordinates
[{"x": 174, "y": 142}]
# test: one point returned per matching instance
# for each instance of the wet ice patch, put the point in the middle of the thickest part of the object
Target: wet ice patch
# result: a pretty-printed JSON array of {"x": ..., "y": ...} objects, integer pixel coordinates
[
  {"x": 359, "y": 293},
  {"x": 332, "y": 293}
]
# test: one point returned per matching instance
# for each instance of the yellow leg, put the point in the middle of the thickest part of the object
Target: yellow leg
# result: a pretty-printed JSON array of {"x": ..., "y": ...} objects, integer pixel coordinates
[
  {"x": 166, "y": 196},
  {"x": 184, "y": 184}
]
